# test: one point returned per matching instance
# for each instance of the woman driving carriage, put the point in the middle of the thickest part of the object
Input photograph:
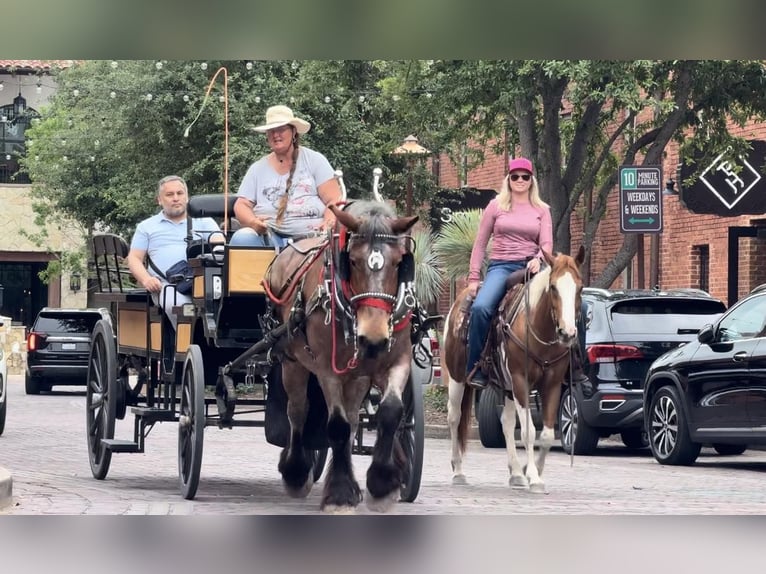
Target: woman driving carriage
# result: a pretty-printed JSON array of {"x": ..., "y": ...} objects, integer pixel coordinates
[
  {"x": 519, "y": 223},
  {"x": 285, "y": 193}
]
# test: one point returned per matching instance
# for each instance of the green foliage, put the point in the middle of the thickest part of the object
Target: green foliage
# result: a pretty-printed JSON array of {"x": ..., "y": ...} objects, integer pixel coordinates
[
  {"x": 428, "y": 278},
  {"x": 436, "y": 397},
  {"x": 454, "y": 243}
]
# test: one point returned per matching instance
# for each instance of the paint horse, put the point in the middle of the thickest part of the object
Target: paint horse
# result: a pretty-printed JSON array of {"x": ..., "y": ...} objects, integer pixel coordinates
[
  {"x": 356, "y": 333},
  {"x": 530, "y": 342}
]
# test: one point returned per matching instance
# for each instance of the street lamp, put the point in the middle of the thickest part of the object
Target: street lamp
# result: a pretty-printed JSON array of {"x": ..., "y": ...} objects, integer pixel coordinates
[{"x": 411, "y": 149}]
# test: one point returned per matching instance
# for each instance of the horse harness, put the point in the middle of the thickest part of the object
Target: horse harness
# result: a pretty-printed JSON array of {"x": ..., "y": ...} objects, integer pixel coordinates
[{"x": 334, "y": 294}]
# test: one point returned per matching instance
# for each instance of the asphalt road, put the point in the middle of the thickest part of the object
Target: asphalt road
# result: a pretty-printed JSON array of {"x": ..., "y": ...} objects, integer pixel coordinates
[{"x": 44, "y": 448}]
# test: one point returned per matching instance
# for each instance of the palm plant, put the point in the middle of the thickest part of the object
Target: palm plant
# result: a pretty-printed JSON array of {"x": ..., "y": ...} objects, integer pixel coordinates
[
  {"x": 455, "y": 241},
  {"x": 428, "y": 277}
]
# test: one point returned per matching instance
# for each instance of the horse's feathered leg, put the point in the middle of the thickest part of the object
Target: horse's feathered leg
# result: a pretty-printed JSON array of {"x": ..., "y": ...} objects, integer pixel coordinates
[
  {"x": 341, "y": 490},
  {"x": 294, "y": 465},
  {"x": 384, "y": 476}
]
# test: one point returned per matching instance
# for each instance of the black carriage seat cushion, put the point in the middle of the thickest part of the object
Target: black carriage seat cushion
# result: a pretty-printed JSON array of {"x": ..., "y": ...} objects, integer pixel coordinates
[{"x": 210, "y": 205}]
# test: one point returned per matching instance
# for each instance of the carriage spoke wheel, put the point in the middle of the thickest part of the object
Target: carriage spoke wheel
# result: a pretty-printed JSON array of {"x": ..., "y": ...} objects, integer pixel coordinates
[
  {"x": 411, "y": 435},
  {"x": 191, "y": 422},
  {"x": 318, "y": 461},
  {"x": 100, "y": 397}
]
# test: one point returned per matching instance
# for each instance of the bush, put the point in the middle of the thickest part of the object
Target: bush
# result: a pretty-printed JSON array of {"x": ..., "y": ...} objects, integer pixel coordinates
[{"x": 435, "y": 398}]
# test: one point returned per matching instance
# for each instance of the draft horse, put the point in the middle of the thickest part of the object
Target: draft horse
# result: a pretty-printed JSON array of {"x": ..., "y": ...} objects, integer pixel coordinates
[
  {"x": 532, "y": 335},
  {"x": 357, "y": 300}
]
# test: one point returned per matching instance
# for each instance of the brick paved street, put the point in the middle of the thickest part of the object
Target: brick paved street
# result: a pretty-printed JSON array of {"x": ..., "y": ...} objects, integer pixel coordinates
[{"x": 44, "y": 448}]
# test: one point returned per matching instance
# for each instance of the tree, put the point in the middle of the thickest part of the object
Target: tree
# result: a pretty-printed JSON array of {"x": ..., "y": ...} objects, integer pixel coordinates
[{"x": 579, "y": 120}]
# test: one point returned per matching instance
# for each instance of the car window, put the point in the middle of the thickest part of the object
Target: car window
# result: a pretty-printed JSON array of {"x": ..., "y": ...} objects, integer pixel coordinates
[
  {"x": 66, "y": 323},
  {"x": 664, "y": 315},
  {"x": 746, "y": 321}
]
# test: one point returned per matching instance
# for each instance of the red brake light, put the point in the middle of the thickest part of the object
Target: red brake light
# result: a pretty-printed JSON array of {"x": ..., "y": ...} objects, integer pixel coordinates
[
  {"x": 613, "y": 353},
  {"x": 35, "y": 341}
]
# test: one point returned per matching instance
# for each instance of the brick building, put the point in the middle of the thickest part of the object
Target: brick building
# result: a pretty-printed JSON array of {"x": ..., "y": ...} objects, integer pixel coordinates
[{"x": 694, "y": 250}]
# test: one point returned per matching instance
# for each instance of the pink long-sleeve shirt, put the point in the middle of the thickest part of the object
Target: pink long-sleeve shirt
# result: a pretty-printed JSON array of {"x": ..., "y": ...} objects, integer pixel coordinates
[{"x": 517, "y": 234}]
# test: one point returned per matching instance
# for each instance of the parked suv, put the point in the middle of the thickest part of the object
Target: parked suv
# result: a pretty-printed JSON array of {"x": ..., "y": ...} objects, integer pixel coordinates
[
  {"x": 58, "y": 347},
  {"x": 626, "y": 330},
  {"x": 711, "y": 391}
]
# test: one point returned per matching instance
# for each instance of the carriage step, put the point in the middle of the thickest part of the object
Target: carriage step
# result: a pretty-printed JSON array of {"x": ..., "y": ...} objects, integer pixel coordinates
[
  {"x": 153, "y": 414},
  {"x": 117, "y": 445}
]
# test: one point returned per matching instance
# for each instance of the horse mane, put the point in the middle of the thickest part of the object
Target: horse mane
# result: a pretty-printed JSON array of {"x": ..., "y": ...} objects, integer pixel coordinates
[
  {"x": 538, "y": 286},
  {"x": 375, "y": 217}
]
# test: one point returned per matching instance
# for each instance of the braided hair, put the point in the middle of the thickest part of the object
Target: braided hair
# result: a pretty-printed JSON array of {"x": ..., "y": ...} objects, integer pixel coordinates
[{"x": 283, "y": 201}]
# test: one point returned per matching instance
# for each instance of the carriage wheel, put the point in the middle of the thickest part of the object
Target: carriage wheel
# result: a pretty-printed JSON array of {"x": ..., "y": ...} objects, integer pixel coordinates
[
  {"x": 101, "y": 397},
  {"x": 411, "y": 436},
  {"x": 318, "y": 461},
  {"x": 191, "y": 422}
]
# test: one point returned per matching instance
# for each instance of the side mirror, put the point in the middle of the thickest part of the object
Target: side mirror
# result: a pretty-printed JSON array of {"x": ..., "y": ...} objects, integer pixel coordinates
[{"x": 706, "y": 334}]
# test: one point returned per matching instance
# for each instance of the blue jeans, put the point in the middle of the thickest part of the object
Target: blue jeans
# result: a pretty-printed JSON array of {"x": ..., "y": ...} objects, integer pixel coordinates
[
  {"x": 247, "y": 236},
  {"x": 485, "y": 306}
]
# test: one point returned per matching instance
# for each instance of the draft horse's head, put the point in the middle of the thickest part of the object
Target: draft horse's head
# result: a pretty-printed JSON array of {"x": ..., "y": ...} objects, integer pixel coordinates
[
  {"x": 564, "y": 288},
  {"x": 376, "y": 269}
]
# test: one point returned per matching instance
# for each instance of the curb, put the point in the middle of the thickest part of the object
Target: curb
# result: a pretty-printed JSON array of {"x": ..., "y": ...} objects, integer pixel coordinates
[{"x": 6, "y": 488}]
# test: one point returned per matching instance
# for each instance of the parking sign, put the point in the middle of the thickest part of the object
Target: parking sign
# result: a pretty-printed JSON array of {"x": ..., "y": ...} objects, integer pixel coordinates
[{"x": 640, "y": 199}]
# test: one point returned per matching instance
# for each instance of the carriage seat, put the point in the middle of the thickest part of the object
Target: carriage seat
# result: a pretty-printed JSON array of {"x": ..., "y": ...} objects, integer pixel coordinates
[{"x": 112, "y": 274}]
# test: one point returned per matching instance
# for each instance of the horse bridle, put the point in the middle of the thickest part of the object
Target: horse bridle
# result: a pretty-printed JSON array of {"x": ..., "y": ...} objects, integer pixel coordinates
[{"x": 399, "y": 305}]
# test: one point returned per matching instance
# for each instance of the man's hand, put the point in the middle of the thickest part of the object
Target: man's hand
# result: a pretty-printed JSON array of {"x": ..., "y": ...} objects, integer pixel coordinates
[{"x": 152, "y": 284}]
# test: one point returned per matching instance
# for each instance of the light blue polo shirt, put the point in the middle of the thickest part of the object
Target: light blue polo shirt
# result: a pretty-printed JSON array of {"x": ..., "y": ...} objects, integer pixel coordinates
[{"x": 165, "y": 240}]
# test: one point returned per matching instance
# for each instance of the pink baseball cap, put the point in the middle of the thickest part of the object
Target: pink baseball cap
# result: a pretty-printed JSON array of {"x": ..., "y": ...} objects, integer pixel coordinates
[{"x": 520, "y": 163}]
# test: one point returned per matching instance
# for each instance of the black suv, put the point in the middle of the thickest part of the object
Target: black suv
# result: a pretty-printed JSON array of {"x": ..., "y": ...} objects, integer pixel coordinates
[
  {"x": 711, "y": 391},
  {"x": 626, "y": 330},
  {"x": 58, "y": 347}
]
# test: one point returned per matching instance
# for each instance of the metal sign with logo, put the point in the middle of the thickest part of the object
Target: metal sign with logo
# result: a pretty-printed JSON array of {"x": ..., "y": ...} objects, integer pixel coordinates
[
  {"x": 729, "y": 185},
  {"x": 640, "y": 199}
]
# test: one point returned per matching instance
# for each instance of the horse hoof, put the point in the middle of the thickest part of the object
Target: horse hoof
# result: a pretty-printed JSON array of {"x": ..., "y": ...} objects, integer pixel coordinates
[
  {"x": 459, "y": 479},
  {"x": 537, "y": 488},
  {"x": 383, "y": 504},
  {"x": 517, "y": 481},
  {"x": 299, "y": 492},
  {"x": 333, "y": 509}
]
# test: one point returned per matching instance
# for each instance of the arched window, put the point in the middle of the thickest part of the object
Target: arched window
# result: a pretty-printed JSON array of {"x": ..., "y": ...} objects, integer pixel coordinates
[{"x": 12, "y": 129}]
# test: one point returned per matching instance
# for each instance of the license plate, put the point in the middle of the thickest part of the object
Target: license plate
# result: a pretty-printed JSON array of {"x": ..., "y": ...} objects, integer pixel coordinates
[{"x": 68, "y": 346}]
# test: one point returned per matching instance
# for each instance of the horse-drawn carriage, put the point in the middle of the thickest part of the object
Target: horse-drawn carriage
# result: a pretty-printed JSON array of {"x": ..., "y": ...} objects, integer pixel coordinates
[{"x": 256, "y": 314}]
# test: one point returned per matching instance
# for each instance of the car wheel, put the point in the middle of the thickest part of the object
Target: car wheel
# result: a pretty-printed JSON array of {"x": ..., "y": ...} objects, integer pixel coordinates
[
  {"x": 31, "y": 385},
  {"x": 490, "y": 426},
  {"x": 635, "y": 438},
  {"x": 573, "y": 427},
  {"x": 729, "y": 449},
  {"x": 668, "y": 430}
]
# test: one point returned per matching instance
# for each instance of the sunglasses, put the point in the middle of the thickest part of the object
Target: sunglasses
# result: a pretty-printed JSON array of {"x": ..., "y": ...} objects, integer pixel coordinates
[{"x": 517, "y": 176}]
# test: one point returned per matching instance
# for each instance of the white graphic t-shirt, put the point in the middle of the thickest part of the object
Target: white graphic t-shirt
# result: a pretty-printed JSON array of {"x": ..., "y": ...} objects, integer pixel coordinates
[{"x": 305, "y": 209}]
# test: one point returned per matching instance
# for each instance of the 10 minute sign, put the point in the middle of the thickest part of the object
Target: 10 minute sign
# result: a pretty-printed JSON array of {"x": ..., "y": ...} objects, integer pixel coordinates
[{"x": 640, "y": 199}]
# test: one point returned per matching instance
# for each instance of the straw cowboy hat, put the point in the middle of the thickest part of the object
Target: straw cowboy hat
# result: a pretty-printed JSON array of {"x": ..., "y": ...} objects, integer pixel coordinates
[{"x": 278, "y": 116}]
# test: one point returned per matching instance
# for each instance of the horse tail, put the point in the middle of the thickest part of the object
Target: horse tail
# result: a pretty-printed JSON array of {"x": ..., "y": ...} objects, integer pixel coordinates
[{"x": 465, "y": 417}]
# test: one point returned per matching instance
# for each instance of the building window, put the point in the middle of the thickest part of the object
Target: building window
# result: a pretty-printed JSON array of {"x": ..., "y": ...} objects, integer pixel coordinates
[
  {"x": 701, "y": 263},
  {"x": 12, "y": 140}
]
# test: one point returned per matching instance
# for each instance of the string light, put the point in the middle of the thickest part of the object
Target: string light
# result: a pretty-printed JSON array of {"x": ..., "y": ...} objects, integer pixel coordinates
[
  {"x": 327, "y": 99},
  {"x": 113, "y": 94},
  {"x": 149, "y": 97},
  {"x": 75, "y": 92},
  {"x": 249, "y": 65},
  {"x": 114, "y": 65},
  {"x": 203, "y": 65},
  {"x": 186, "y": 97},
  {"x": 158, "y": 65},
  {"x": 257, "y": 99}
]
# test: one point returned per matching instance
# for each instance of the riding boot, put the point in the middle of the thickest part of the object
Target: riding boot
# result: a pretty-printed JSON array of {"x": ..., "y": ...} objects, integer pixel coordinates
[{"x": 477, "y": 379}]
